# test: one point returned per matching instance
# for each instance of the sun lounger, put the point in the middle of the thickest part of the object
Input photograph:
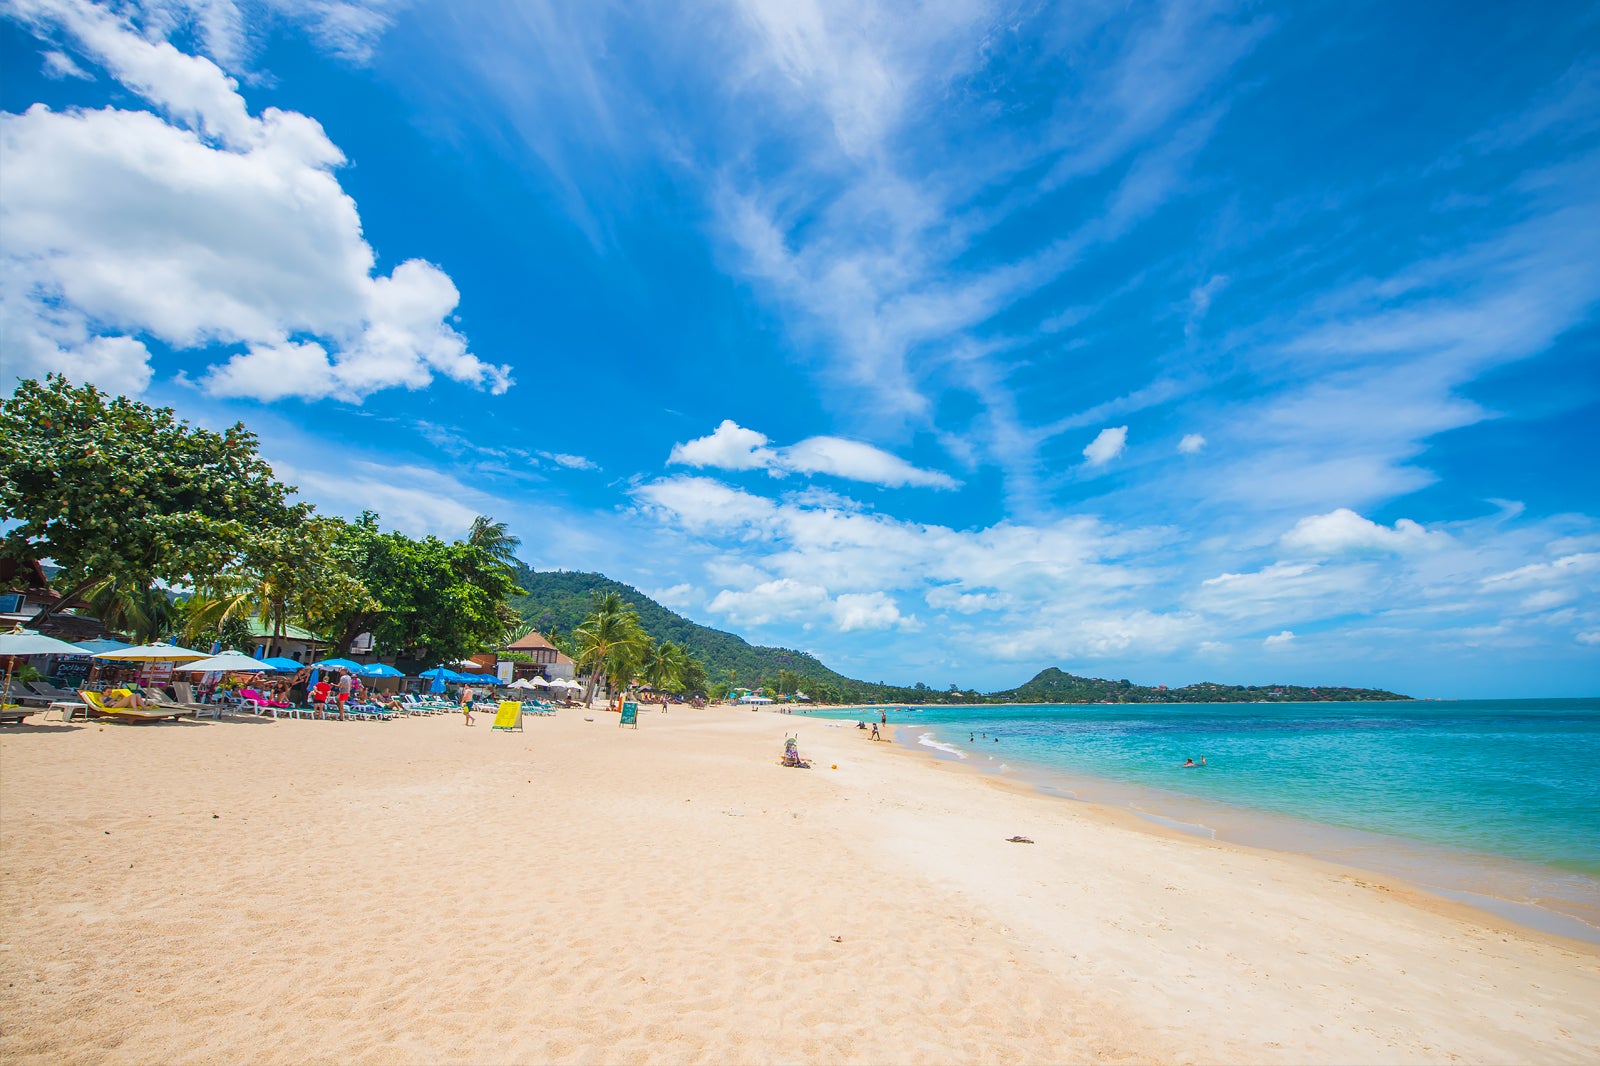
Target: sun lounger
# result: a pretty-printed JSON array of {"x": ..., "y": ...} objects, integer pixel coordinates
[
  {"x": 13, "y": 715},
  {"x": 199, "y": 710},
  {"x": 52, "y": 692},
  {"x": 97, "y": 706},
  {"x": 18, "y": 694}
]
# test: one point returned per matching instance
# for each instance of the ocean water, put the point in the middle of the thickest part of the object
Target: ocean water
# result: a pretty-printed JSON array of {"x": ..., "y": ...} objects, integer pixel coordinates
[{"x": 1485, "y": 800}]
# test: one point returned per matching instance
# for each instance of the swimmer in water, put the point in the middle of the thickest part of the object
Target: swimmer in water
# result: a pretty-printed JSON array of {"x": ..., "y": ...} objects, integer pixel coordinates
[{"x": 1187, "y": 763}]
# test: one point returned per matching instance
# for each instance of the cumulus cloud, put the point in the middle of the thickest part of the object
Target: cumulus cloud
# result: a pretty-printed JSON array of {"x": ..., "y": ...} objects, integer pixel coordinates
[
  {"x": 1278, "y": 640},
  {"x": 1343, "y": 530},
  {"x": 209, "y": 226},
  {"x": 733, "y": 447},
  {"x": 1191, "y": 444},
  {"x": 1109, "y": 444}
]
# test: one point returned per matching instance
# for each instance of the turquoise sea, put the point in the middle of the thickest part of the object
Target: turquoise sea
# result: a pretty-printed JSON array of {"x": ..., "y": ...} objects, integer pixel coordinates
[{"x": 1492, "y": 802}]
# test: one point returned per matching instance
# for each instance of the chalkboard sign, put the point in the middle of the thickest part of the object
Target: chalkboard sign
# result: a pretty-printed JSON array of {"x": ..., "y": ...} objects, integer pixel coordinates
[
  {"x": 630, "y": 714},
  {"x": 70, "y": 673}
]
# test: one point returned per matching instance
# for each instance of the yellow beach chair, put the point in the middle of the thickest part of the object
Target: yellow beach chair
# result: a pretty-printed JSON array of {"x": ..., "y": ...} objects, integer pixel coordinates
[
  {"x": 97, "y": 705},
  {"x": 509, "y": 717}
]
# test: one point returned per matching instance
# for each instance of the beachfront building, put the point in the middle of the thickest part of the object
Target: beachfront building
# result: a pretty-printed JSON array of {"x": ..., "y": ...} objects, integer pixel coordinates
[
  {"x": 302, "y": 645},
  {"x": 549, "y": 662}
]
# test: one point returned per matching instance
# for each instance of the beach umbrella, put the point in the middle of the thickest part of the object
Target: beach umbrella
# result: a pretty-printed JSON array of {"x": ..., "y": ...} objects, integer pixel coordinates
[
  {"x": 379, "y": 670},
  {"x": 538, "y": 682},
  {"x": 18, "y": 642},
  {"x": 95, "y": 647},
  {"x": 229, "y": 661},
  {"x": 349, "y": 665},
  {"x": 283, "y": 664},
  {"x": 159, "y": 652}
]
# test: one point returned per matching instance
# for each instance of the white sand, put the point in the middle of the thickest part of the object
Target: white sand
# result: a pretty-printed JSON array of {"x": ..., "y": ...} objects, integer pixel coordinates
[{"x": 417, "y": 891}]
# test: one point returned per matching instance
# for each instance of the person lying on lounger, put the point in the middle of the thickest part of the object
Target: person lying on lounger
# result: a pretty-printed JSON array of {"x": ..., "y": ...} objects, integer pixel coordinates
[{"x": 123, "y": 698}]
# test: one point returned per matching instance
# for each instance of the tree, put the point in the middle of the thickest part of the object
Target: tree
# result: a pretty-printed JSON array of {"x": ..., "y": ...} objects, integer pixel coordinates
[
  {"x": 430, "y": 601},
  {"x": 665, "y": 666},
  {"x": 610, "y": 642},
  {"x": 142, "y": 611},
  {"x": 113, "y": 489},
  {"x": 492, "y": 538}
]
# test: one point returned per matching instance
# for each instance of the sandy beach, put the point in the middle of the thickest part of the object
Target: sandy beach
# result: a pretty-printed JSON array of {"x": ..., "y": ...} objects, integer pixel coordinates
[{"x": 418, "y": 891}]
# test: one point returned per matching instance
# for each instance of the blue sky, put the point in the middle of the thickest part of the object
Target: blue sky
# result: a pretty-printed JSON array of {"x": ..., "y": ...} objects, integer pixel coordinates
[{"x": 1164, "y": 341}]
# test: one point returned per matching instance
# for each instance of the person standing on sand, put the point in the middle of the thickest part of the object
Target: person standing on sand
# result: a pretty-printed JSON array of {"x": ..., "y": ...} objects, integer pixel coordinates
[{"x": 466, "y": 702}]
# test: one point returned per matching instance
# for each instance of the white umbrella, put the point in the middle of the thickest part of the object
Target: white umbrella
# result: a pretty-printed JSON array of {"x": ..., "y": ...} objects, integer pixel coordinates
[
  {"x": 519, "y": 683},
  {"x": 228, "y": 660},
  {"x": 539, "y": 682},
  {"x": 562, "y": 682},
  {"x": 159, "y": 652},
  {"x": 17, "y": 642}
]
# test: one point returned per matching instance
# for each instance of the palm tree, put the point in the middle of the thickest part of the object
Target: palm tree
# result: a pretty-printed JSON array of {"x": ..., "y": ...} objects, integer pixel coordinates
[
  {"x": 491, "y": 537},
  {"x": 141, "y": 610},
  {"x": 611, "y": 641},
  {"x": 664, "y": 667}
]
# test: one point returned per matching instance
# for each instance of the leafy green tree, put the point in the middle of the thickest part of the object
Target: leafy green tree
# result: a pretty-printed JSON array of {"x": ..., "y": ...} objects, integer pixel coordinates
[
  {"x": 113, "y": 489},
  {"x": 665, "y": 666},
  {"x": 429, "y": 601},
  {"x": 610, "y": 643}
]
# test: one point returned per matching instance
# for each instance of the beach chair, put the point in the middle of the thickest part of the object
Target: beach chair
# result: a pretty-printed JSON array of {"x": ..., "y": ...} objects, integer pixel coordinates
[
  {"x": 199, "y": 710},
  {"x": 509, "y": 716},
  {"x": 184, "y": 691},
  {"x": 97, "y": 706},
  {"x": 53, "y": 693},
  {"x": 18, "y": 694},
  {"x": 11, "y": 715}
]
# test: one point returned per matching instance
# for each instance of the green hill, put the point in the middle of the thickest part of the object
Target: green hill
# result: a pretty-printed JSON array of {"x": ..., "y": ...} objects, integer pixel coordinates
[{"x": 1056, "y": 686}]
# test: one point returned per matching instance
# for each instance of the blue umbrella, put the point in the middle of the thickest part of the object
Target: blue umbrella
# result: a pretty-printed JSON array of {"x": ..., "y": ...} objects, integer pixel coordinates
[
  {"x": 95, "y": 647},
  {"x": 311, "y": 682},
  {"x": 380, "y": 670},
  {"x": 339, "y": 664},
  {"x": 283, "y": 664}
]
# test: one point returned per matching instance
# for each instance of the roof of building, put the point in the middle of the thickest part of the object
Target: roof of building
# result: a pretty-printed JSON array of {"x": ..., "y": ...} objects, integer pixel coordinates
[
  {"x": 532, "y": 640},
  {"x": 258, "y": 628}
]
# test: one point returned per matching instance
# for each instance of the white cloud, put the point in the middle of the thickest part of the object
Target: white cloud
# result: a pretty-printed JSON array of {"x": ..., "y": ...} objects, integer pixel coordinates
[
  {"x": 216, "y": 227},
  {"x": 59, "y": 65},
  {"x": 780, "y": 600},
  {"x": 729, "y": 447},
  {"x": 1590, "y": 637},
  {"x": 1566, "y": 568},
  {"x": 415, "y": 500},
  {"x": 677, "y": 596},
  {"x": 859, "y": 462},
  {"x": 865, "y": 610},
  {"x": 1191, "y": 444},
  {"x": 733, "y": 447},
  {"x": 1342, "y": 530},
  {"x": 1106, "y": 446},
  {"x": 571, "y": 462},
  {"x": 1278, "y": 640}
]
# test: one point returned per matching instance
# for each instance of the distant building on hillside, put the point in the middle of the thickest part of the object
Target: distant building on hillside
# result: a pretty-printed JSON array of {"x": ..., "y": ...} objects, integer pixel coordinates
[{"x": 549, "y": 661}]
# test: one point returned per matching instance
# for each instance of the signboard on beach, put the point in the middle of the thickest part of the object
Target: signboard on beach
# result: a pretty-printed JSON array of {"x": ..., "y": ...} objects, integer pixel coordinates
[{"x": 630, "y": 714}]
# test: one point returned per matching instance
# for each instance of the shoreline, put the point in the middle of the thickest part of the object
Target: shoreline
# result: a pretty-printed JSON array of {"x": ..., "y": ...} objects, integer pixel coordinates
[
  {"x": 1569, "y": 911},
  {"x": 416, "y": 891}
]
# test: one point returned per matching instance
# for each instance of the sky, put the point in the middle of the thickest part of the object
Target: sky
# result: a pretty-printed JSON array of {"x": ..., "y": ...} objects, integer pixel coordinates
[{"x": 946, "y": 341}]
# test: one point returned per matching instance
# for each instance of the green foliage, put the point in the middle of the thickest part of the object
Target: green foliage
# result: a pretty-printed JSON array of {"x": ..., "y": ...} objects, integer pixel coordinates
[
  {"x": 610, "y": 642},
  {"x": 429, "y": 601},
  {"x": 116, "y": 489}
]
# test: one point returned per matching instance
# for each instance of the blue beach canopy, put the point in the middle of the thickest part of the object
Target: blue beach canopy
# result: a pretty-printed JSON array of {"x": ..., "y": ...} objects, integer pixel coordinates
[
  {"x": 95, "y": 647},
  {"x": 439, "y": 672},
  {"x": 380, "y": 670},
  {"x": 283, "y": 664},
  {"x": 339, "y": 664}
]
